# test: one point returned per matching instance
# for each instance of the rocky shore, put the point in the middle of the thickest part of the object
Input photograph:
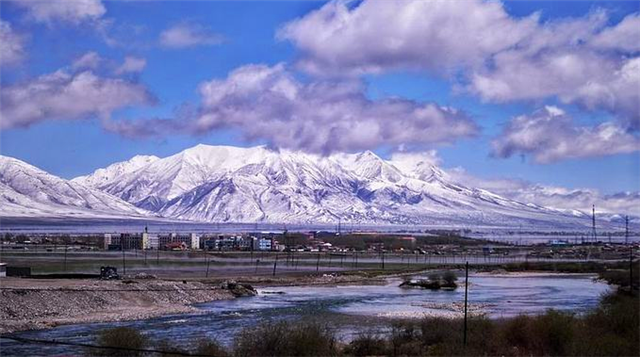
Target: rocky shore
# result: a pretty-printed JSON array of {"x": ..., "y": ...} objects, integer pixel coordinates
[{"x": 27, "y": 304}]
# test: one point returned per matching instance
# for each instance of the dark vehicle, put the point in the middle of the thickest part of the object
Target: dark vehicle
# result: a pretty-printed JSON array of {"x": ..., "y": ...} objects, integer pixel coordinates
[{"x": 109, "y": 273}]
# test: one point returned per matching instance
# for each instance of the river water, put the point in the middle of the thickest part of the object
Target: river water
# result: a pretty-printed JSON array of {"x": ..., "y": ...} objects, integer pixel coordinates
[{"x": 350, "y": 309}]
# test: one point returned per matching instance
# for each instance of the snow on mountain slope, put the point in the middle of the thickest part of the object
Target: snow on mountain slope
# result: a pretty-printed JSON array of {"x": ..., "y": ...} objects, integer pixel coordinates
[
  {"x": 176, "y": 174},
  {"x": 26, "y": 191},
  {"x": 112, "y": 172},
  {"x": 231, "y": 184}
]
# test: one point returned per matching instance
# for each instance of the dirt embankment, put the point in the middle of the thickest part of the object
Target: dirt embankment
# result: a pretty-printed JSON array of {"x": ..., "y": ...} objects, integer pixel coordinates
[{"x": 27, "y": 304}]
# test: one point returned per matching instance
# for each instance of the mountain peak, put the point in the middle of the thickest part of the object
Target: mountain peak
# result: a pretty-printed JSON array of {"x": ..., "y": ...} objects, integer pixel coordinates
[
  {"x": 106, "y": 175},
  {"x": 368, "y": 155},
  {"x": 208, "y": 147},
  {"x": 211, "y": 156}
]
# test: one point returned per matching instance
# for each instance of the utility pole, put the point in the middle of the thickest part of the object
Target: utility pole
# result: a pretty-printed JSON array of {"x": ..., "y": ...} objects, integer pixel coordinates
[
  {"x": 206, "y": 262},
  {"x": 593, "y": 223},
  {"x": 318, "y": 263},
  {"x": 626, "y": 230},
  {"x": 65, "y": 258},
  {"x": 124, "y": 263},
  {"x": 466, "y": 290},
  {"x": 631, "y": 268},
  {"x": 275, "y": 263}
]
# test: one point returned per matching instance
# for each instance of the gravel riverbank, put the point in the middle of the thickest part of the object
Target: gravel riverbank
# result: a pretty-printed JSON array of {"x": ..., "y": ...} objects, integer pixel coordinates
[{"x": 27, "y": 304}]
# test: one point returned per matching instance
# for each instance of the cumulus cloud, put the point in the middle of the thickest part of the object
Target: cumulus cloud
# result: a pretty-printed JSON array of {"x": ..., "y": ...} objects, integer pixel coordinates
[
  {"x": 580, "y": 199},
  {"x": 481, "y": 48},
  {"x": 74, "y": 11},
  {"x": 550, "y": 135},
  {"x": 62, "y": 95},
  {"x": 573, "y": 76},
  {"x": 624, "y": 36},
  {"x": 11, "y": 45},
  {"x": 269, "y": 104},
  {"x": 381, "y": 35},
  {"x": 322, "y": 116},
  {"x": 131, "y": 65},
  {"x": 90, "y": 60},
  {"x": 188, "y": 34}
]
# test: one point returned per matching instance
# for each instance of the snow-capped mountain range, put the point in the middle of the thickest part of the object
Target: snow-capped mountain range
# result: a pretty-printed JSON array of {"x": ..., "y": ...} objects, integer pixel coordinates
[
  {"x": 26, "y": 191},
  {"x": 232, "y": 184}
]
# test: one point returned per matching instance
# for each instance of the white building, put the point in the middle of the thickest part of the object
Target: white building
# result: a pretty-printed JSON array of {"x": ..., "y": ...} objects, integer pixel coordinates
[
  {"x": 195, "y": 241},
  {"x": 262, "y": 243},
  {"x": 106, "y": 241},
  {"x": 145, "y": 241},
  {"x": 153, "y": 241}
]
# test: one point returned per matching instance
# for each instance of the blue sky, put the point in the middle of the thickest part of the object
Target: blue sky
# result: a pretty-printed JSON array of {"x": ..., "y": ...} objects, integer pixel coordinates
[{"x": 79, "y": 144}]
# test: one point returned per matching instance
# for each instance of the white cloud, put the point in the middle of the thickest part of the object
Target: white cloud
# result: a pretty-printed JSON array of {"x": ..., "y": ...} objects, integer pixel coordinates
[
  {"x": 65, "y": 96},
  {"x": 553, "y": 196},
  {"x": 481, "y": 48},
  {"x": 581, "y": 77},
  {"x": 90, "y": 60},
  {"x": 425, "y": 164},
  {"x": 187, "y": 34},
  {"x": 70, "y": 11},
  {"x": 415, "y": 161},
  {"x": 11, "y": 45},
  {"x": 381, "y": 35},
  {"x": 131, "y": 65},
  {"x": 550, "y": 135},
  {"x": 323, "y": 116},
  {"x": 268, "y": 104},
  {"x": 624, "y": 36}
]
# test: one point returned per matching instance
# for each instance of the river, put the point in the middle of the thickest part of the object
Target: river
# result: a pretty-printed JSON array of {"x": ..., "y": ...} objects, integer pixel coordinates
[{"x": 350, "y": 309}]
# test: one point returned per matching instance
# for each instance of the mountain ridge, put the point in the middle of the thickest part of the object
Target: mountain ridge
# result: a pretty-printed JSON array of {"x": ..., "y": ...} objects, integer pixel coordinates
[
  {"x": 27, "y": 191},
  {"x": 230, "y": 184},
  {"x": 256, "y": 184}
]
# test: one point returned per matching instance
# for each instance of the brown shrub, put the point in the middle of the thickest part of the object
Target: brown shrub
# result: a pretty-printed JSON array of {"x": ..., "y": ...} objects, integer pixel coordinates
[{"x": 120, "y": 341}]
